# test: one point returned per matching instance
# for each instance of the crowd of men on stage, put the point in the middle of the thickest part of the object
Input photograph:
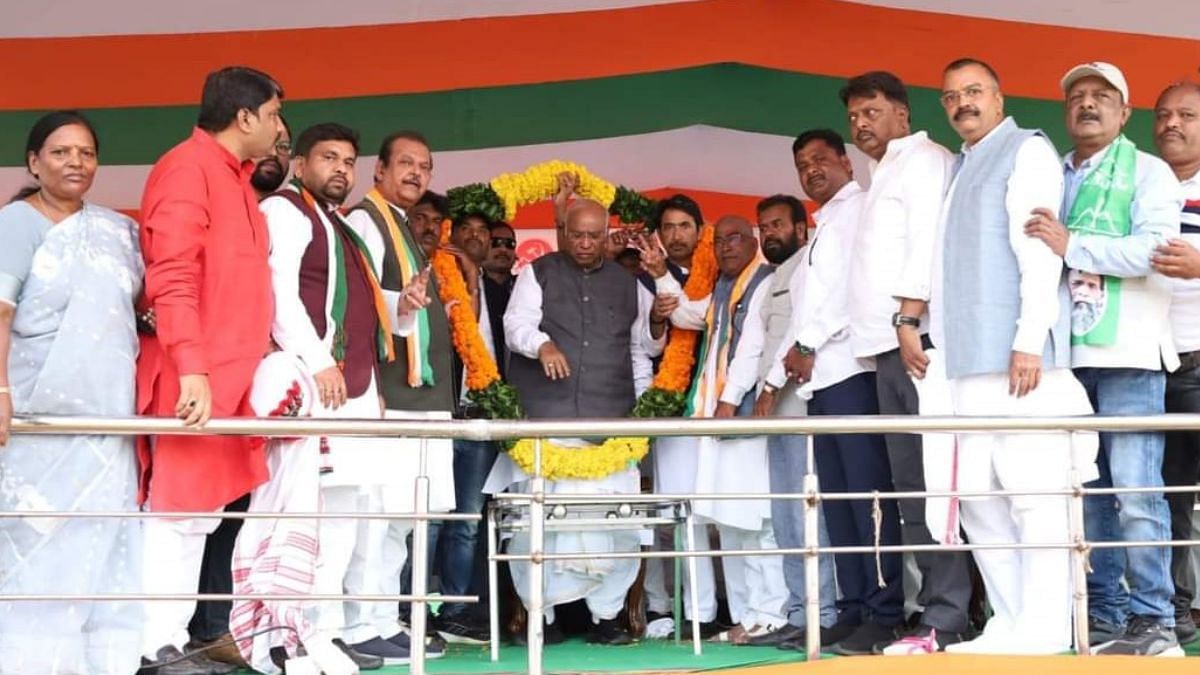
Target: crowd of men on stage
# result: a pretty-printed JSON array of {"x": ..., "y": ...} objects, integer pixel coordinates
[{"x": 1003, "y": 278}]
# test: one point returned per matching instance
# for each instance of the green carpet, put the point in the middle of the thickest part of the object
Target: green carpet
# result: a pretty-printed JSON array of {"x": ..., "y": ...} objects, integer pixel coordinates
[{"x": 575, "y": 656}]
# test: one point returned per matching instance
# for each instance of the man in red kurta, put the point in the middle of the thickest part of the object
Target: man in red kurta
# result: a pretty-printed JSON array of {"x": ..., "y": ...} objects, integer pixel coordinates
[{"x": 209, "y": 284}]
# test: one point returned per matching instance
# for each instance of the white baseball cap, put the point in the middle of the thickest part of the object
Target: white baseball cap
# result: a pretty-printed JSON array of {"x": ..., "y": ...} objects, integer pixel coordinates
[{"x": 1105, "y": 71}]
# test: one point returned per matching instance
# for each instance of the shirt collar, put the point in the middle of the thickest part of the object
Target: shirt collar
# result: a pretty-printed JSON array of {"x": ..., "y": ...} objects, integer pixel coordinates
[
  {"x": 206, "y": 140},
  {"x": 1006, "y": 122},
  {"x": 895, "y": 148},
  {"x": 848, "y": 190},
  {"x": 1069, "y": 159}
]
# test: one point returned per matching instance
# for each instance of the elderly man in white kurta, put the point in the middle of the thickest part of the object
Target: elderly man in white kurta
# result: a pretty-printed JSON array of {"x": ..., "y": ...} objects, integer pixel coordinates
[
  {"x": 724, "y": 387},
  {"x": 326, "y": 312}
]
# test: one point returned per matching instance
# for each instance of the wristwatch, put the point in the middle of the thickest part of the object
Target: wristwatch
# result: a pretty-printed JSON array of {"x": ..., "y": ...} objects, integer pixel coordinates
[
  {"x": 805, "y": 350},
  {"x": 899, "y": 319}
]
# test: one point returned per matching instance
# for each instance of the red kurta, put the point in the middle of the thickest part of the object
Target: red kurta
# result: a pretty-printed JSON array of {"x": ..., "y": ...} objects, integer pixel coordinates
[{"x": 205, "y": 245}]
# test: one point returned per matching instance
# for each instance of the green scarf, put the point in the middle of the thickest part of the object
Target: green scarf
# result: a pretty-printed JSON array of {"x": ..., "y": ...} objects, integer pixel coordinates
[{"x": 1101, "y": 208}]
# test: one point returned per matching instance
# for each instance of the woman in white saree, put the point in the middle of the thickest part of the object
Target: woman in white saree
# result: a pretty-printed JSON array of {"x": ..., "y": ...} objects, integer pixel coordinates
[{"x": 69, "y": 274}]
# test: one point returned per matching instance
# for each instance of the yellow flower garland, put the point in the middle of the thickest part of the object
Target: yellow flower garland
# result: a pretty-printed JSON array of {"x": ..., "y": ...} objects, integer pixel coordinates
[
  {"x": 598, "y": 461},
  {"x": 539, "y": 182}
]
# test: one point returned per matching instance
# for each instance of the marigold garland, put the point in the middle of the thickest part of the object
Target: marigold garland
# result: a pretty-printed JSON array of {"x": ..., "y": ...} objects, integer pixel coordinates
[
  {"x": 598, "y": 461},
  {"x": 665, "y": 397}
]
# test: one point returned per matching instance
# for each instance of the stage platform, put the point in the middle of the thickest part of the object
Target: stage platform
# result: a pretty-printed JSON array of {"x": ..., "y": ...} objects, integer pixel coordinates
[{"x": 654, "y": 656}]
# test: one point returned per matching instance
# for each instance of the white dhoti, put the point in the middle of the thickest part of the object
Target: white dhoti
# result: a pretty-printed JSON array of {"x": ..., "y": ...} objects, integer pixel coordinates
[
  {"x": 603, "y": 584},
  {"x": 1029, "y": 590},
  {"x": 674, "y": 460}
]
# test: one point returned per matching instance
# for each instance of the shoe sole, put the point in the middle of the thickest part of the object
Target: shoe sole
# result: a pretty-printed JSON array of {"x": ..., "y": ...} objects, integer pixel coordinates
[
  {"x": 1173, "y": 652},
  {"x": 456, "y": 639}
]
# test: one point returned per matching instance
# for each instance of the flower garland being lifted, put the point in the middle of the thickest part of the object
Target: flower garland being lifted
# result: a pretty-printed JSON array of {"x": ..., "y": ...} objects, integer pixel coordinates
[{"x": 500, "y": 199}]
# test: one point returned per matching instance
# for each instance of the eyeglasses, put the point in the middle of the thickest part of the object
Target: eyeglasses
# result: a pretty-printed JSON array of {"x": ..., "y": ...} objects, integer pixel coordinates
[
  {"x": 968, "y": 93},
  {"x": 732, "y": 240},
  {"x": 504, "y": 242},
  {"x": 283, "y": 147}
]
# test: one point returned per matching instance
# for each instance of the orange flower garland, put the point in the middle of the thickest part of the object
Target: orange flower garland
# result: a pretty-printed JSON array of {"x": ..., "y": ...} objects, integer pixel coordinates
[
  {"x": 675, "y": 372},
  {"x": 464, "y": 328}
]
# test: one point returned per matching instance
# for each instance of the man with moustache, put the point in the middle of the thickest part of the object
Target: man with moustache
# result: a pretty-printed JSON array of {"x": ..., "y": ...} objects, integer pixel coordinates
[
  {"x": 325, "y": 313},
  {"x": 421, "y": 382},
  {"x": 205, "y": 248},
  {"x": 576, "y": 333},
  {"x": 893, "y": 261},
  {"x": 498, "y": 281},
  {"x": 1006, "y": 298},
  {"x": 820, "y": 356},
  {"x": 676, "y": 221},
  {"x": 209, "y": 626},
  {"x": 726, "y": 375},
  {"x": 783, "y": 230},
  {"x": 1120, "y": 204},
  {"x": 272, "y": 171},
  {"x": 1177, "y": 137}
]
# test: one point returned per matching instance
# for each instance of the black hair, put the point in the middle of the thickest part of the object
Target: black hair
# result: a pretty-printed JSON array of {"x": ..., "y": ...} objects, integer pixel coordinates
[
  {"x": 795, "y": 205},
  {"x": 464, "y": 217},
  {"x": 40, "y": 131},
  {"x": 875, "y": 82},
  {"x": 830, "y": 137},
  {"x": 500, "y": 224},
  {"x": 231, "y": 89},
  {"x": 385, "y": 148},
  {"x": 677, "y": 202},
  {"x": 437, "y": 201},
  {"x": 958, "y": 64},
  {"x": 325, "y": 131},
  {"x": 287, "y": 127}
]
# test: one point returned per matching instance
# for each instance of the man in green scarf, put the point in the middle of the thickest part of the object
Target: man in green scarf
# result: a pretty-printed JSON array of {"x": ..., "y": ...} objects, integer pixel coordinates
[{"x": 1120, "y": 205}]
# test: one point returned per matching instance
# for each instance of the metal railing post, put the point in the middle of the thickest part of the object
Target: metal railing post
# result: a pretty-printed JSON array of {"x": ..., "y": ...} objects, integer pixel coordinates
[
  {"x": 812, "y": 560},
  {"x": 420, "y": 567},
  {"x": 537, "y": 544},
  {"x": 1079, "y": 562},
  {"x": 493, "y": 587}
]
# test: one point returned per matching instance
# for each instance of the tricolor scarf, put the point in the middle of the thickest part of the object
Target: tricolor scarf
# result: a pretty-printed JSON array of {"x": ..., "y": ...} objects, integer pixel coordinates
[
  {"x": 1102, "y": 208},
  {"x": 338, "y": 310},
  {"x": 726, "y": 296},
  {"x": 420, "y": 372}
]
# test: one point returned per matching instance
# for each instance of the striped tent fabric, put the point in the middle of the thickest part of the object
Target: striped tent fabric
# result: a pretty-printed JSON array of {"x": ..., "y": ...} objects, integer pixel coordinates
[{"x": 700, "y": 96}]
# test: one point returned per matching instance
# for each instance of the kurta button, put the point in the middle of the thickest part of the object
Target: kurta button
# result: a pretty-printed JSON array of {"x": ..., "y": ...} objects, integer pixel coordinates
[
  {"x": 586, "y": 343},
  {"x": 585, "y": 298}
]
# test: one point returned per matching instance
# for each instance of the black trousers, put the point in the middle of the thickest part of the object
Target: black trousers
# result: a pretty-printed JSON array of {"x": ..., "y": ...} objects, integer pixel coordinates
[
  {"x": 211, "y": 619},
  {"x": 1181, "y": 466},
  {"x": 946, "y": 577}
]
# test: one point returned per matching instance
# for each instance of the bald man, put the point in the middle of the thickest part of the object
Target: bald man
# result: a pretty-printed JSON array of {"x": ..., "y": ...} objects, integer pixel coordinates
[
  {"x": 575, "y": 331},
  {"x": 725, "y": 387}
]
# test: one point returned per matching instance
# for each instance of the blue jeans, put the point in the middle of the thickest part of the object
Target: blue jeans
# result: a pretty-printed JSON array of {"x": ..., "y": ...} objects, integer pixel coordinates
[
  {"x": 457, "y": 540},
  {"x": 787, "y": 458},
  {"x": 1128, "y": 460}
]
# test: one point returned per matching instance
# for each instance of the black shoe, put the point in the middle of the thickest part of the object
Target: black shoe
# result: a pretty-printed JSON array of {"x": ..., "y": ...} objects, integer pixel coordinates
[
  {"x": 1185, "y": 629},
  {"x": 1101, "y": 631},
  {"x": 829, "y": 636},
  {"x": 458, "y": 629},
  {"x": 551, "y": 635},
  {"x": 1143, "y": 636},
  {"x": 435, "y": 648},
  {"x": 865, "y": 638},
  {"x": 608, "y": 632},
  {"x": 651, "y": 617},
  {"x": 169, "y": 660},
  {"x": 363, "y": 661},
  {"x": 777, "y": 636},
  {"x": 708, "y": 629}
]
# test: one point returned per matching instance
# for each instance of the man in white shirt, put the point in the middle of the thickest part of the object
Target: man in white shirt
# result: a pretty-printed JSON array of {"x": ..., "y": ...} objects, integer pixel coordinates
[
  {"x": 726, "y": 377},
  {"x": 325, "y": 313},
  {"x": 1000, "y": 327},
  {"x": 783, "y": 232},
  {"x": 1177, "y": 137},
  {"x": 889, "y": 288},
  {"x": 822, "y": 358},
  {"x": 1119, "y": 205}
]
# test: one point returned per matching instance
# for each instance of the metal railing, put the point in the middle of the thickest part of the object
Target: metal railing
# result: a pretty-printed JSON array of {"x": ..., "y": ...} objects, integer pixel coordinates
[{"x": 537, "y": 499}]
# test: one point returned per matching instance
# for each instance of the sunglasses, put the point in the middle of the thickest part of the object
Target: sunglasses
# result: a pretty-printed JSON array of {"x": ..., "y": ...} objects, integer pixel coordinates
[{"x": 504, "y": 242}]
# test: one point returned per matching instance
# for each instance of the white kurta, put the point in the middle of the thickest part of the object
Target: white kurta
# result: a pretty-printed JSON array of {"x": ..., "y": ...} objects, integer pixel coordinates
[{"x": 711, "y": 464}]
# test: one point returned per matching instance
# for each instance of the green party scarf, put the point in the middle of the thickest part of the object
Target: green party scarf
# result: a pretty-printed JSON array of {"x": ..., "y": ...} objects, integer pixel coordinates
[{"x": 1102, "y": 208}]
